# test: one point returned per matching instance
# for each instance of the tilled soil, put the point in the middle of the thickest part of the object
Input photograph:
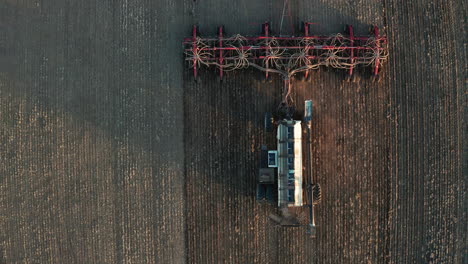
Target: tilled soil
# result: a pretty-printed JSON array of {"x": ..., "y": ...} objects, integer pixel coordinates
[{"x": 110, "y": 153}]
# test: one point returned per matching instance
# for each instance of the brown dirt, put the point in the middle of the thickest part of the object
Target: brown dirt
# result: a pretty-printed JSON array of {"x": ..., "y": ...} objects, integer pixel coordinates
[{"x": 109, "y": 153}]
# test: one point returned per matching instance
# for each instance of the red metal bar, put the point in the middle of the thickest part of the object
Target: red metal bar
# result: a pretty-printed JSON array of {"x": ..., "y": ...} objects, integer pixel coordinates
[
  {"x": 222, "y": 53},
  {"x": 188, "y": 40},
  {"x": 306, "y": 34},
  {"x": 255, "y": 58},
  {"x": 266, "y": 29},
  {"x": 351, "y": 37},
  {"x": 264, "y": 57},
  {"x": 194, "y": 50},
  {"x": 290, "y": 47},
  {"x": 221, "y": 57},
  {"x": 377, "y": 43}
]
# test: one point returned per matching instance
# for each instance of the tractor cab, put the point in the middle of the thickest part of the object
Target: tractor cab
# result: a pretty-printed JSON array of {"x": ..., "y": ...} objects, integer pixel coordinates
[{"x": 280, "y": 172}]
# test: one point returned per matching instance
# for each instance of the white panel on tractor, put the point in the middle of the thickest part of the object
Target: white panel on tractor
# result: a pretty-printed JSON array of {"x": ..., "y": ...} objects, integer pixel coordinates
[{"x": 298, "y": 163}]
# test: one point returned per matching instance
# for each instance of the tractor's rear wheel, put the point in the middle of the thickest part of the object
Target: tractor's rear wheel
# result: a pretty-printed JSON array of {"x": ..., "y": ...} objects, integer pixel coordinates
[
  {"x": 317, "y": 193},
  {"x": 269, "y": 194},
  {"x": 261, "y": 191}
]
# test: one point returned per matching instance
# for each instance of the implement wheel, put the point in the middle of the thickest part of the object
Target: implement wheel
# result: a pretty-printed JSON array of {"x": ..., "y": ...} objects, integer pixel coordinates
[
  {"x": 317, "y": 193},
  {"x": 376, "y": 78}
]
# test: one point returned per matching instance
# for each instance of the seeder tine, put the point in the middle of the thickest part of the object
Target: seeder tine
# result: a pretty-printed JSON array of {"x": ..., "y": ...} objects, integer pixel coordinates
[
  {"x": 266, "y": 33},
  {"x": 377, "y": 60},
  {"x": 287, "y": 56},
  {"x": 306, "y": 75},
  {"x": 194, "y": 48},
  {"x": 376, "y": 31},
  {"x": 350, "y": 30},
  {"x": 221, "y": 52},
  {"x": 306, "y": 28},
  {"x": 266, "y": 29}
]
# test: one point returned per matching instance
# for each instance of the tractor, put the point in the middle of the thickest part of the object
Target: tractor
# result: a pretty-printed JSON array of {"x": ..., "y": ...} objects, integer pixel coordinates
[{"x": 280, "y": 179}]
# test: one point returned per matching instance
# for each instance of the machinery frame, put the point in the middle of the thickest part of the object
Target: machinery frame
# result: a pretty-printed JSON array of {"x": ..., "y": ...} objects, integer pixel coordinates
[{"x": 286, "y": 55}]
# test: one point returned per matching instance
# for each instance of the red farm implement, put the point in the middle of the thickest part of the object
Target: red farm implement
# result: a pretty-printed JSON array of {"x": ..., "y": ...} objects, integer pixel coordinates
[{"x": 286, "y": 55}]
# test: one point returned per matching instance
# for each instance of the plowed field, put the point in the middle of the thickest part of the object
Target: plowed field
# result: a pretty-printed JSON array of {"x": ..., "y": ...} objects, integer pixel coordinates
[{"x": 110, "y": 153}]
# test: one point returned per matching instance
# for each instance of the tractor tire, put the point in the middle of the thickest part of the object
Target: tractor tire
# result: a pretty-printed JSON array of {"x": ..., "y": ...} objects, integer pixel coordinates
[
  {"x": 220, "y": 80},
  {"x": 261, "y": 192},
  {"x": 317, "y": 193},
  {"x": 269, "y": 194}
]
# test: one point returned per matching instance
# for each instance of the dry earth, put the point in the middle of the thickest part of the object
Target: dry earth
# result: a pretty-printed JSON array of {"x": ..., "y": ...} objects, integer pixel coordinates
[{"x": 110, "y": 153}]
